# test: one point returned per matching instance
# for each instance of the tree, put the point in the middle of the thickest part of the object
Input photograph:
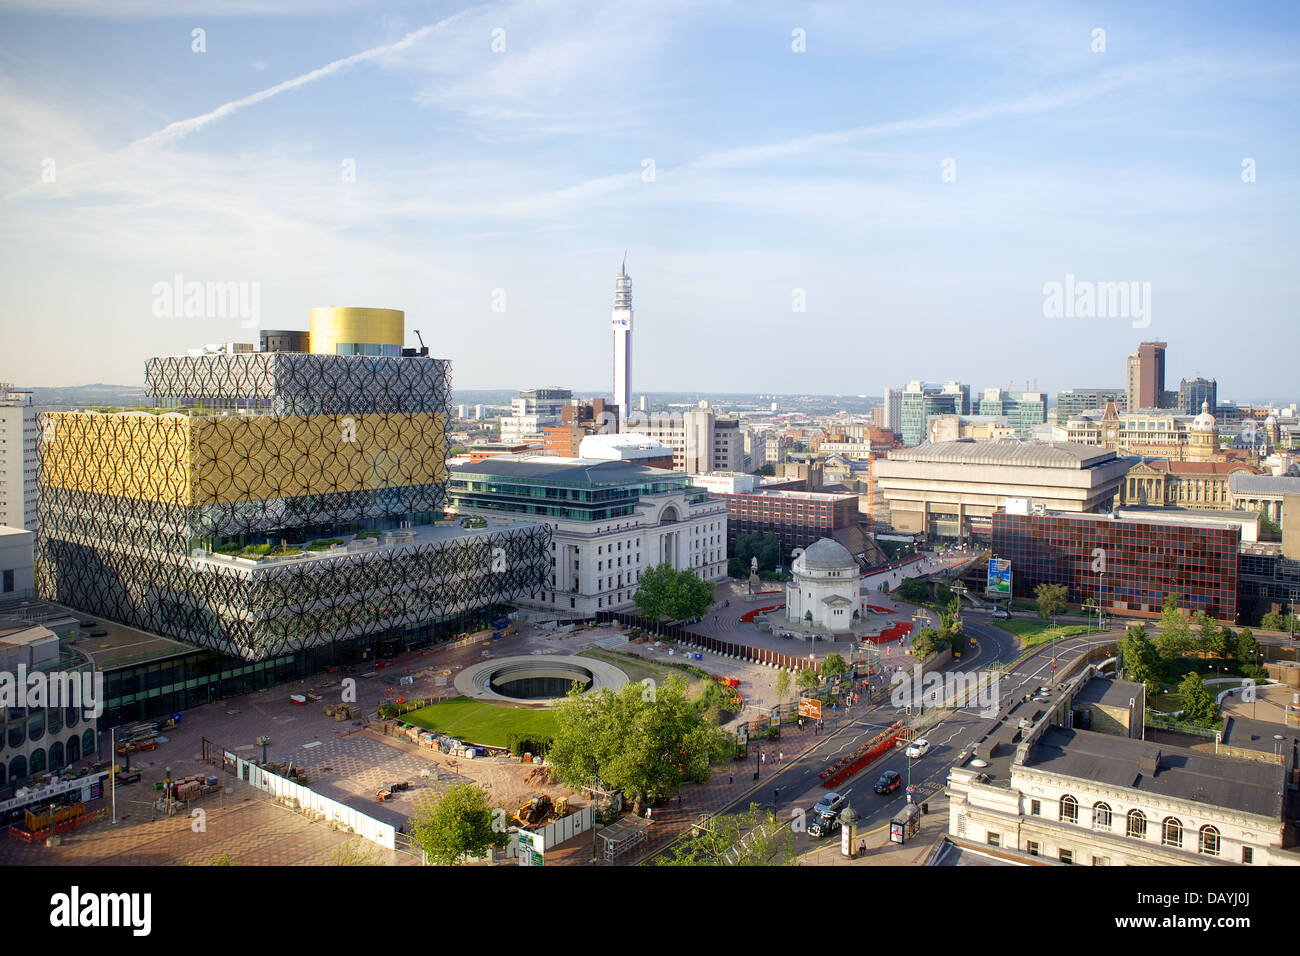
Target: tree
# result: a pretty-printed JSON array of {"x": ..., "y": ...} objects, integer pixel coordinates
[
  {"x": 808, "y": 680},
  {"x": 783, "y": 682},
  {"x": 764, "y": 546},
  {"x": 637, "y": 741},
  {"x": 1199, "y": 707},
  {"x": 1247, "y": 647},
  {"x": 456, "y": 825},
  {"x": 926, "y": 642},
  {"x": 834, "y": 666},
  {"x": 665, "y": 593},
  {"x": 767, "y": 470},
  {"x": 357, "y": 852},
  {"x": 1209, "y": 636},
  {"x": 1139, "y": 657},
  {"x": 1051, "y": 600},
  {"x": 1175, "y": 637},
  {"x": 914, "y": 590},
  {"x": 748, "y": 838}
]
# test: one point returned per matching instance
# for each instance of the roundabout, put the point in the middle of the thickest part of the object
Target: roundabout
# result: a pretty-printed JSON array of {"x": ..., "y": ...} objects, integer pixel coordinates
[{"x": 534, "y": 681}]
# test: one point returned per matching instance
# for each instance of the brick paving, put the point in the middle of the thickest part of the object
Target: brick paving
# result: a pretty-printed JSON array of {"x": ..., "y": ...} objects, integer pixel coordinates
[{"x": 246, "y": 825}]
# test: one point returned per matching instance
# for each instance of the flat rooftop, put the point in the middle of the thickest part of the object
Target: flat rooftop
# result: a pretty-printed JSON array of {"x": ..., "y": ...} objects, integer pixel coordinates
[
  {"x": 1260, "y": 735},
  {"x": 1109, "y": 693},
  {"x": 1004, "y": 451},
  {"x": 119, "y": 645},
  {"x": 1247, "y": 786},
  {"x": 587, "y": 471}
]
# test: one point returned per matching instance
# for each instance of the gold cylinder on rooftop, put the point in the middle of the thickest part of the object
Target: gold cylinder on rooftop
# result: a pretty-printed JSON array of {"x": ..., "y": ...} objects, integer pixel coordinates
[{"x": 349, "y": 331}]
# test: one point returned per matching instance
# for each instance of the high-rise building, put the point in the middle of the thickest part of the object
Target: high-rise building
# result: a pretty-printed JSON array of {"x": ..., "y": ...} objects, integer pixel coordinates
[
  {"x": 701, "y": 441},
  {"x": 1023, "y": 410},
  {"x": 1146, "y": 376},
  {"x": 17, "y": 459},
  {"x": 276, "y": 505},
  {"x": 1195, "y": 392},
  {"x": 623, "y": 343},
  {"x": 919, "y": 401}
]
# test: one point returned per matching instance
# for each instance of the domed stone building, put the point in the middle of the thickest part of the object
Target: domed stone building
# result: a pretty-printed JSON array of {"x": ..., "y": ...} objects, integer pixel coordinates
[
  {"x": 824, "y": 590},
  {"x": 1203, "y": 436}
]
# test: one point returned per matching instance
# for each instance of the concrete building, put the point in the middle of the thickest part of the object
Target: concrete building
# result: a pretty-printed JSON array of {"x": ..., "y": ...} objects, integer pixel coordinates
[
  {"x": 609, "y": 522},
  {"x": 798, "y": 518},
  {"x": 17, "y": 458},
  {"x": 823, "y": 590},
  {"x": 919, "y": 401},
  {"x": 950, "y": 490},
  {"x": 1039, "y": 783},
  {"x": 701, "y": 440},
  {"x": 17, "y": 564},
  {"x": 622, "y": 326}
]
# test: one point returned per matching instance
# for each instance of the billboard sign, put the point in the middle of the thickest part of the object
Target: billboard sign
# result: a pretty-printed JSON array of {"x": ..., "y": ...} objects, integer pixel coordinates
[
  {"x": 810, "y": 707},
  {"x": 999, "y": 579}
]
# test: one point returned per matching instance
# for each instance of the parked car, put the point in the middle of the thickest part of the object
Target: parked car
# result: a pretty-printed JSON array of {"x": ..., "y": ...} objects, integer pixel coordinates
[
  {"x": 889, "y": 781},
  {"x": 1004, "y": 615},
  {"x": 917, "y": 749}
]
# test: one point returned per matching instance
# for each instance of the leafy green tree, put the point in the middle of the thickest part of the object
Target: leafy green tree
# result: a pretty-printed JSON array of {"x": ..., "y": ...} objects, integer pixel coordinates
[
  {"x": 1199, "y": 707},
  {"x": 1175, "y": 637},
  {"x": 1139, "y": 658},
  {"x": 808, "y": 680},
  {"x": 748, "y": 838},
  {"x": 636, "y": 741},
  {"x": 834, "y": 666},
  {"x": 914, "y": 590},
  {"x": 767, "y": 470},
  {"x": 783, "y": 682},
  {"x": 1247, "y": 647},
  {"x": 1209, "y": 637},
  {"x": 1051, "y": 600},
  {"x": 926, "y": 642},
  {"x": 668, "y": 594},
  {"x": 456, "y": 825}
]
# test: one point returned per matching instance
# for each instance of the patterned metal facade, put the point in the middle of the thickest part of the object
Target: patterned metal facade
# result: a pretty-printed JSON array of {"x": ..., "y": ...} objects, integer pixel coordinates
[{"x": 133, "y": 507}]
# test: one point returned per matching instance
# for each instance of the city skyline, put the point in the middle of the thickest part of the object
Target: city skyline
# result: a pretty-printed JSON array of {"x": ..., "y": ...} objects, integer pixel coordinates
[{"x": 484, "y": 167}]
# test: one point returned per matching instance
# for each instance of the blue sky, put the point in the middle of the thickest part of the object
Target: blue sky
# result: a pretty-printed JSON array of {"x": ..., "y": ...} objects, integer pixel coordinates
[{"x": 774, "y": 171}]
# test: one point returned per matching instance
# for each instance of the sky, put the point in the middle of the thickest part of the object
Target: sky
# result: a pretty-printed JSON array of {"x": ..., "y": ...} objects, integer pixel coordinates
[{"x": 812, "y": 197}]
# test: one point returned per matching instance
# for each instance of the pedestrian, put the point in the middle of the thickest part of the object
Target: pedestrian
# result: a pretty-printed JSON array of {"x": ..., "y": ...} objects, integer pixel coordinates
[
  {"x": 780, "y": 757},
  {"x": 862, "y": 847},
  {"x": 731, "y": 778},
  {"x": 762, "y": 758},
  {"x": 647, "y": 813}
]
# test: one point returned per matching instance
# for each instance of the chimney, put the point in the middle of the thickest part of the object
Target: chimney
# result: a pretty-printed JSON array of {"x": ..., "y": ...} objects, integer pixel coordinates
[{"x": 1150, "y": 762}]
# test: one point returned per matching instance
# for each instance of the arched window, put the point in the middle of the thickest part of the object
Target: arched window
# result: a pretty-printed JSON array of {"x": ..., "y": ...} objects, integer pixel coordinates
[
  {"x": 87, "y": 742},
  {"x": 1136, "y": 825},
  {"x": 74, "y": 749},
  {"x": 1171, "y": 832},
  {"x": 56, "y": 755},
  {"x": 38, "y": 760},
  {"x": 1101, "y": 816},
  {"x": 1209, "y": 840},
  {"x": 1069, "y": 809},
  {"x": 17, "y": 768}
]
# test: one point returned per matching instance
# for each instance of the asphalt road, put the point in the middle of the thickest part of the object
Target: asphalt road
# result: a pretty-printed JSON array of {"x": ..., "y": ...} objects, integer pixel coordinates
[{"x": 800, "y": 785}]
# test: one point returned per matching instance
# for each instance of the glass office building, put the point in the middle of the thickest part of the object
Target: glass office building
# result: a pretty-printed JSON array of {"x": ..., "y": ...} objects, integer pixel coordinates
[{"x": 1142, "y": 560}]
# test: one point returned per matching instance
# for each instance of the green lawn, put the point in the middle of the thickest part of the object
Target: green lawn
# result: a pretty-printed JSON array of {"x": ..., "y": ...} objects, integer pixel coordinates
[
  {"x": 1035, "y": 632},
  {"x": 480, "y": 722}
]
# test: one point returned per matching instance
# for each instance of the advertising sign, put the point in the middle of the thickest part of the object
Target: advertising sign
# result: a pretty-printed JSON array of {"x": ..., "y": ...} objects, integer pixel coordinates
[{"x": 999, "y": 578}]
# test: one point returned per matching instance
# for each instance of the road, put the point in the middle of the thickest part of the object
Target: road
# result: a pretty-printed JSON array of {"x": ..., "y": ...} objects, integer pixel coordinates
[{"x": 800, "y": 785}]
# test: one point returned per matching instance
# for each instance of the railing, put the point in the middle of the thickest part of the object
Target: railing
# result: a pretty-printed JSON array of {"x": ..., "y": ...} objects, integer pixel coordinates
[{"x": 679, "y": 633}]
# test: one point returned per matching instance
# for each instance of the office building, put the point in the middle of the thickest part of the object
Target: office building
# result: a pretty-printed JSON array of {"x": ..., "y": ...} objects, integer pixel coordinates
[
  {"x": 918, "y": 402},
  {"x": 1147, "y": 556},
  {"x": 1145, "y": 376},
  {"x": 17, "y": 458},
  {"x": 700, "y": 440},
  {"x": 798, "y": 518},
  {"x": 276, "y": 504},
  {"x": 1149, "y": 433},
  {"x": 1023, "y": 410},
  {"x": 609, "y": 520},
  {"x": 1077, "y": 401},
  {"x": 950, "y": 490},
  {"x": 1193, "y": 393}
]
